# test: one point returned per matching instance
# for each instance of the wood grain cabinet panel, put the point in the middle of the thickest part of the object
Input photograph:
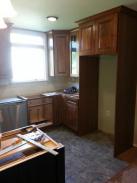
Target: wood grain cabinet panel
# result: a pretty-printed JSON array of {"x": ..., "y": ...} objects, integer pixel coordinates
[
  {"x": 58, "y": 45},
  {"x": 35, "y": 114},
  {"x": 58, "y": 109},
  {"x": 106, "y": 34},
  {"x": 98, "y": 35},
  {"x": 40, "y": 113},
  {"x": 40, "y": 109},
  {"x": 87, "y": 38},
  {"x": 48, "y": 111},
  {"x": 71, "y": 113},
  {"x": 34, "y": 102},
  {"x": 60, "y": 54}
]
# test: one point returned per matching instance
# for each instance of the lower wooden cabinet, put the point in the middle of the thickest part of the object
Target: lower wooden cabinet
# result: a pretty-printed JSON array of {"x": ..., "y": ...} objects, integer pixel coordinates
[
  {"x": 35, "y": 114},
  {"x": 71, "y": 114},
  {"x": 40, "y": 109},
  {"x": 48, "y": 111},
  {"x": 58, "y": 109}
]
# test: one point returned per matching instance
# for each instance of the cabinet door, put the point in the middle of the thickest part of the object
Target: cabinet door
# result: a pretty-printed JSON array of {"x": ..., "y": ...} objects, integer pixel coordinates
[
  {"x": 32, "y": 115},
  {"x": 87, "y": 38},
  {"x": 48, "y": 112},
  {"x": 5, "y": 67},
  {"x": 58, "y": 110},
  {"x": 71, "y": 115},
  {"x": 61, "y": 54},
  {"x": 35, "y": 114},
  {"x": 106, "y": 34},
  {"x": 40, "y": 113}
]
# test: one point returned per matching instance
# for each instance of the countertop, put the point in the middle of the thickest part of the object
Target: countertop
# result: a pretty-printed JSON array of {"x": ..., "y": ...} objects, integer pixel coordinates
[
  {"x": 74, "y": 96},
  {"x": 69, "y": 96}
]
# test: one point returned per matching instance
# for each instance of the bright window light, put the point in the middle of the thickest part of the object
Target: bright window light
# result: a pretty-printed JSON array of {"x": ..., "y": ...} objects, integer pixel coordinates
[
  {"x": 26, "y": 39},
  {"x": 28, "y": 57}
]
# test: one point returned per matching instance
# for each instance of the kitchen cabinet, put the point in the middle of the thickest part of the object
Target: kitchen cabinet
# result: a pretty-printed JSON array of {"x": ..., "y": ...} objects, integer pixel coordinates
[
  {"x": 98, "y": 34},
  {"x": 58, "y": 50},
  {"x": 35, "y": 114},
  {"x": 40, "y": 109},
  {"x": 58, "y": 109},
  {"x": 74, "y": 53},
  {"x": 48, "y": 109},
  {"x": 5, "y": 67},
  {"x": 71, "y": 114},
  {"x": 65, "y": 110},
  {"x": 106, "y": 34},
  {"x": 87, "y": 38},
  {"x": 115, "y": 33}
]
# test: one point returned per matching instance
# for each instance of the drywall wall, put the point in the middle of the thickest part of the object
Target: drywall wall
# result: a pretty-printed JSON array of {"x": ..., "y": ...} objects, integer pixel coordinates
[
  {"x": 107, "y": 93},
  {"x": 33, "y": 88}
]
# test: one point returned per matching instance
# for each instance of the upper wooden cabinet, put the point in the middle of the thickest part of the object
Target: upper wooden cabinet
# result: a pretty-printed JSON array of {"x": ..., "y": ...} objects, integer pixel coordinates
[
  {"x": 87, "y": 38},
  {"x": 106, "y": 34},
  {"x": 98, "y": 34},
  {"x": 58, "y": 45},
  {"x": 5, "y": 67}
]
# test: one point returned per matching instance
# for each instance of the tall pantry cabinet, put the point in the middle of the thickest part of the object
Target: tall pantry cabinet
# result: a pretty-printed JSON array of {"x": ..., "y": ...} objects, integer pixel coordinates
[{"x": 113, "y": 32}]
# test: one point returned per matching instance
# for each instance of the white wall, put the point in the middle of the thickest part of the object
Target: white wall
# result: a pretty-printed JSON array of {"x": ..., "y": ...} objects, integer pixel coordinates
[{"x": 107, "y": 92}]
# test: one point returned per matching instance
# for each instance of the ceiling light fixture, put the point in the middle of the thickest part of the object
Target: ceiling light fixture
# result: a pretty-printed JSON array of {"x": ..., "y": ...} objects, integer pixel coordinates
[{"x": 52, "y": 18}]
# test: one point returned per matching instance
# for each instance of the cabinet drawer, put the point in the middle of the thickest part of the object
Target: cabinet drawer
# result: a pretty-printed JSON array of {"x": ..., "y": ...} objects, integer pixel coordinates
[
  {"x": 34, "y": 102},
  {"x": 47, "y": 100}
]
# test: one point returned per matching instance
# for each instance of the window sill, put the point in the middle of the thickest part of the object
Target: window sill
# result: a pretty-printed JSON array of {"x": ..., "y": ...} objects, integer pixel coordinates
[{"x": 27, "y": 82}]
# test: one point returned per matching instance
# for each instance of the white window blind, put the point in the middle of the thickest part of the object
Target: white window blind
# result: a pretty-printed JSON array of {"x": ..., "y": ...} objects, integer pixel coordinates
[{"x": 28, "y": 56}]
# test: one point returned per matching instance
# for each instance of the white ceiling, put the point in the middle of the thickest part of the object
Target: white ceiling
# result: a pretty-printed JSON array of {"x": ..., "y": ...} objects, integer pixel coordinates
[{"x": 31, "y": 14}]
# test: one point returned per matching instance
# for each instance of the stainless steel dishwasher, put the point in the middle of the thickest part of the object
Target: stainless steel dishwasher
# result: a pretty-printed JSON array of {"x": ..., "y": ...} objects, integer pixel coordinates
[{"x": 13, "y": 114}]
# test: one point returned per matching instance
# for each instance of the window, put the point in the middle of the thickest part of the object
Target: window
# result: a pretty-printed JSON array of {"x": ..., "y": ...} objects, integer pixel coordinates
[
  {"x": 28, "y": 58},
  {"x": 74, "y": 55},
  {"x": 50, "y": 54}
]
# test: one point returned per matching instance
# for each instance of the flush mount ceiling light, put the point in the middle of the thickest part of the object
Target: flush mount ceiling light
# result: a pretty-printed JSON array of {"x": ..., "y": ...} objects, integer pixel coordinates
[{"x": 52, "y": 18}]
